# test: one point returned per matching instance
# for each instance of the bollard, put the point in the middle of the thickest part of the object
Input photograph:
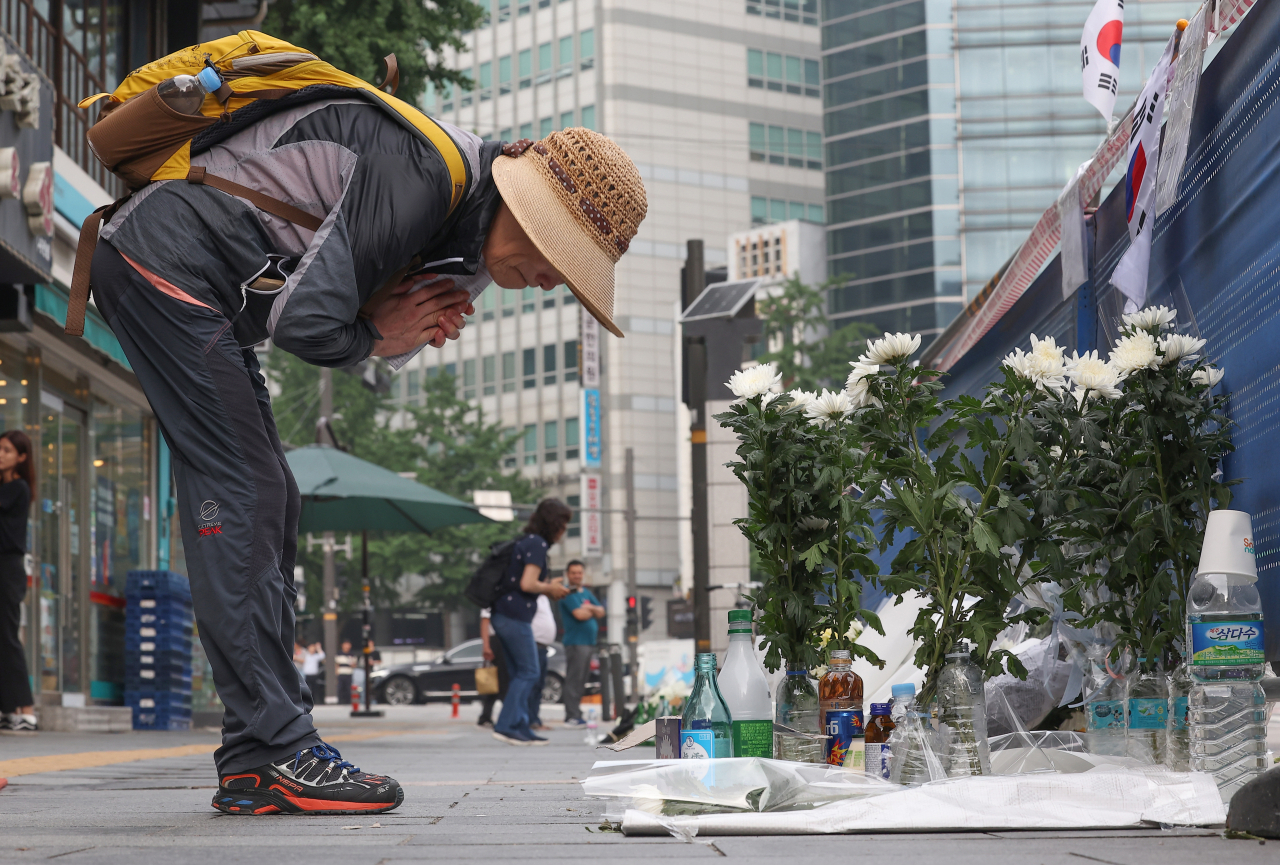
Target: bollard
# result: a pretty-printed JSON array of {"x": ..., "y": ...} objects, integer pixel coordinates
[
  {"x": 355, "y": 698},
  {"x": 456, "y": 699}
]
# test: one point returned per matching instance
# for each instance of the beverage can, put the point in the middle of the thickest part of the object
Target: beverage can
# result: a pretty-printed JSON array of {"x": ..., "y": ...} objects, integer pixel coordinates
[{"x": 844, "y": 736}]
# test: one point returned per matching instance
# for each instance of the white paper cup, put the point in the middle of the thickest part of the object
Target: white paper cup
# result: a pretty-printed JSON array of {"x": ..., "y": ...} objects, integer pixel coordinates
[{"x": 1228, "y": 545}]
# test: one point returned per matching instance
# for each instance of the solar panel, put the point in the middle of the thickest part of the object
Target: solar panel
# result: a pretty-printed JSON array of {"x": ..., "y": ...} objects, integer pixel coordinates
[{"x": 721, "y": 300}]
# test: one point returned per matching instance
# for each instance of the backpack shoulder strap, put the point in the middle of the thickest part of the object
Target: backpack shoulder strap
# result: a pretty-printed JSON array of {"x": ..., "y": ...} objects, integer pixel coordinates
[{"x": 78, "y": 300}]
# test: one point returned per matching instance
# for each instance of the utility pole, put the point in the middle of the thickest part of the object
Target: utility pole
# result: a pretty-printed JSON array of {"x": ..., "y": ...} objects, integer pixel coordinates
[
  {"x": 695, "y": 280},
  {"x": 633, "y": 638},
  {"x": 329, "y": 593}
]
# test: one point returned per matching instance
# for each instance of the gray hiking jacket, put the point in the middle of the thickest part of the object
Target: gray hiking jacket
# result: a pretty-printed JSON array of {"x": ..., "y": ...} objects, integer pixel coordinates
[{"x": 382, "y": 190}]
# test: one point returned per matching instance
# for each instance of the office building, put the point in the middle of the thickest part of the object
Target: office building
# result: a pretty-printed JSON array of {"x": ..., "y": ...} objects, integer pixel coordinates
[{"x": 718, "y": 103}]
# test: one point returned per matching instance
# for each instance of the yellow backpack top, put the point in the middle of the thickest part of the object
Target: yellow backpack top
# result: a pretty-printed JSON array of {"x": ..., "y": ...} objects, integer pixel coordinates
[{"x": 141, "y": 139}]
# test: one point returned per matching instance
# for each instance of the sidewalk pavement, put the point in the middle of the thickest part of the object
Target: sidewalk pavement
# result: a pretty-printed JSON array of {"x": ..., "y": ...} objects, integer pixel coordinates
[{"x": 467, "y": 797}]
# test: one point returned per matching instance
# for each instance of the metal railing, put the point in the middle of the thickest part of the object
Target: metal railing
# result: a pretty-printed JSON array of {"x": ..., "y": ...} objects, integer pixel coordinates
[{"x": 73, "y": 79}]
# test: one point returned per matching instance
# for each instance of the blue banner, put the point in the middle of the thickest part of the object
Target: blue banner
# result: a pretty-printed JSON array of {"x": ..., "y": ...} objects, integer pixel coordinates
[{"x": 591, "y": 428}]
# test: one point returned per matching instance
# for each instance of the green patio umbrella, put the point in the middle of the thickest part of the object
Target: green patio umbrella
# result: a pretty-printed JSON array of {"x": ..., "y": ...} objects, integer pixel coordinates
[{"x": 343, "y": 493}]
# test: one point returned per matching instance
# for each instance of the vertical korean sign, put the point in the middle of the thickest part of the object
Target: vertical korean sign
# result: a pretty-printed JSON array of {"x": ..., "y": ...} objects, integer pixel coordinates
[
  {"x": 592, "y": 542},
  {"x": 590, "y": 377}
]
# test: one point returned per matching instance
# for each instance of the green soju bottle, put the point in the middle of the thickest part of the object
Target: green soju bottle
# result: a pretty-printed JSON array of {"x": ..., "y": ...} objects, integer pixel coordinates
[{"x": 705, "y": 727}]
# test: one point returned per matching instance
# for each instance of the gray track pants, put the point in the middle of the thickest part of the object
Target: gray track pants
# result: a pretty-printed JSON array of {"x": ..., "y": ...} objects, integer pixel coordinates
[
  {"x": 237, "y": 502},
  {"x": 577, "y": 660}
]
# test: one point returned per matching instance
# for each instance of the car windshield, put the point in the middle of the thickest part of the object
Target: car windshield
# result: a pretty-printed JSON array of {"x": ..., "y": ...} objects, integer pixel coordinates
[{"x": 467, "y": 652}]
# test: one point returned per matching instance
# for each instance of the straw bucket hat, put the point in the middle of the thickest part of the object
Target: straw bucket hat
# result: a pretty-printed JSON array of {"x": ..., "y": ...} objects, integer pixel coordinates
[{"x": 580, "y": 199}]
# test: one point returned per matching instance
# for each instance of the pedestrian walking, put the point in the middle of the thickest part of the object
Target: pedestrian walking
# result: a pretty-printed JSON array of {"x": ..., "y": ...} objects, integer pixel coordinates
[
  {"x": 580, "y": 611},
  {"x": 513, "y": 614},
  {"x": 493, "y": 653},
  {"x": 544, "y": 634},
  {"x": 190, "y": 273},
  {"x": 313, "y": 656},
  {"x": 17, "y": 480},
  {"x": 344, "y": 662}
]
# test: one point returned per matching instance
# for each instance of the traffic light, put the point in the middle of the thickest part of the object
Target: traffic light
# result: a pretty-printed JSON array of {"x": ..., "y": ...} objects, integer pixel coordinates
[
  {"x": 633, "y": 620},
  {"x": 646, "y": 612}
]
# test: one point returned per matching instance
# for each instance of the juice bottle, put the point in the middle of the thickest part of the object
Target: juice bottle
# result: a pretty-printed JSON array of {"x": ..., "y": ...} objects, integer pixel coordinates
[
  {"x": 840, "y": 711},
  {"x": 877, "y": 738}
]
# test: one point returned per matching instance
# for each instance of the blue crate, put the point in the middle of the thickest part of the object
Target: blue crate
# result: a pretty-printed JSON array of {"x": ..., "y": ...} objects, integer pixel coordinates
[
  {"x": 144, "y": 719},
  {"x": 172, "y": 673},
  {"x": 160, "y": 682},
  {"x": 157, "y": 582},
  {"x": 158, "y": 700},
  {"x": 166, "y": 609},
  {"x": 143, "y": 632}
]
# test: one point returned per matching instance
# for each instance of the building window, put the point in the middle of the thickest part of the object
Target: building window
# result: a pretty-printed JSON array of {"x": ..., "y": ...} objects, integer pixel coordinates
[
  {"x": 574, "y": 503},
  {"x": 504, "y": 74},
  {"x": 777, "y": 145},
  {"x": 486, "y": 79},
  {"x": 411, "y": 383},
  {"x": 530, "y": 360},
  {"x": 587, "y": 48},
  {"x": 815, "y": 214},
  {"x": 571, "y": 438},
  {"x": 767, "y": 210},
  {"x": 549, "y": 364},
  {"x": 755, "y": 67},
  {"x": 785, "y": 146},
  {"x": 589, "y": 117},
  {"x": 526, "y": 130},
  {"x": 531, "y": 444},
  {"x": 524, "y": 7},
  {"x": 488, "y": 372},
  {"x": 566, "y": 119},
  {"x": 529, "y": 298},
  {"x": 545, "y": 127},
  {"x": 568, "y": 296},
  {"x": 508, "y": 371},
  {"x": 811, "y": 78},
  {"x": 782, "y": 72},
  {"x": 566, "y": 55},
  {"x": 805, "y": 11},
  {"x": 451, "y": 369},
  {"x": 813, "y": 150},
  {"x": 525, "y": 63},
  {"x": 551, "y": 440},
  {"x": 570, "y": 364},
  {"x": 773, "y": 70},
  {"x": 505, "y": 135},
  {"x": 504, "y": 10},
  {"x": 469, "y": 379},
  {"x": 545, "y": 72},
  {"x": 513, "y": 442},
  {"x": 486, "y": 303}
]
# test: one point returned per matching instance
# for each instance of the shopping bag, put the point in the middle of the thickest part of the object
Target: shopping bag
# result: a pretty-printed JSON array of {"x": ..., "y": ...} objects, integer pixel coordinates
[{"x": 486, "y": 680}]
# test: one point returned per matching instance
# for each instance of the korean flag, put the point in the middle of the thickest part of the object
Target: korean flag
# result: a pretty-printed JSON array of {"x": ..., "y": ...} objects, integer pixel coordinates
[{"x": 1100, "y": 55}]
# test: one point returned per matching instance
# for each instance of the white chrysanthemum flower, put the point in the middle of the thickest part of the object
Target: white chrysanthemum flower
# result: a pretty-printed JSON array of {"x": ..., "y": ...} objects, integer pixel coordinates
[
  {"x": 891, "y": 349},
  {"x": 1093, "y": 376},
  {"x": 1177, "y": 346},
  {"x": 1046, "y": 351},
  {"x": 1209, "y": 377},
  {"x": 746, "y": 383},
  {"x": 829, "y": 407},
  {"x": 1043, "y": 365},
  {"x": 1055, "y": 451},
  {"x": 1134, "y": 352},
  {"x": 1153, "y": 319},
  {"x": 858, "y": 384},
  {"x": 768, "y": 398},
  {"x": 802, "y": 398}
]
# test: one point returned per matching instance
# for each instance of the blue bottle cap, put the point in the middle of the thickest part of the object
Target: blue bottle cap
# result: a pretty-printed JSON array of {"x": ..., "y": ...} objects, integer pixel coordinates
[
  {"x": 880, "y": 709},
  {"x": 903, "y": 691},
  {"x": 209, "y": 79}
]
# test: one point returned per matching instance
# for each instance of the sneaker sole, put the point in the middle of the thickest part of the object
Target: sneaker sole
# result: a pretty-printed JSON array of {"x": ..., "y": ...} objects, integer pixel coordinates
[
  {"x": 512, "y": 741},
  {"x": 256, "y": 802}
]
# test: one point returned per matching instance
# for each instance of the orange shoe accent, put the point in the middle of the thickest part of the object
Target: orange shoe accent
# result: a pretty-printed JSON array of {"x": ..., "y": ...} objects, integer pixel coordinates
[
  {"x": 267, "y": 809},
  {"x": 257, "y": 779},
  {"x": 326, "y": 805}
]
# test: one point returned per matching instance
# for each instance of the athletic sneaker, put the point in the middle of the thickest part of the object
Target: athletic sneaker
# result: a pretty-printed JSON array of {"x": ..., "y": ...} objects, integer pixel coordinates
[
  {"x": 575, "y": 722},
  {"x": 535, "y": 739},
  {"x": 313, "y": 781},
  {"x": 510, "y": 740},
  {"x": 19, "y": 725}
]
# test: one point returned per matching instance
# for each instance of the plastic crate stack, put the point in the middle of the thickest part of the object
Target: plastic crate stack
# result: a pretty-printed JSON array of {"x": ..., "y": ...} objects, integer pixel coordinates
[{"x": 157, "y": 649}]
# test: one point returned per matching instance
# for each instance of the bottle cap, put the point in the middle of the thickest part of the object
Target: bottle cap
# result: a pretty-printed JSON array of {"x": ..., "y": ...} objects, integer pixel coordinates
[
  {"x": 209, "y": 79},
  {"x": 880, "y": 709},
  {"x": 1228, "y": 545},
  {"x": 903, "y": 691},
  {"x": 740, "y": 621},
  {"x": 961, "y": 649},
  {"x": 839, "y": 655}
]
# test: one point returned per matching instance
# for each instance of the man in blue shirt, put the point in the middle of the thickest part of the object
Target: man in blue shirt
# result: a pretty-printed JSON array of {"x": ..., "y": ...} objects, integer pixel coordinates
[{"x": 579, "y": 611}]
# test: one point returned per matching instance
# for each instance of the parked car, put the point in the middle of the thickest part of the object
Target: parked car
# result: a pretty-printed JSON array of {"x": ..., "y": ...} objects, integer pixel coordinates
[{"x": 403, "y": 684}]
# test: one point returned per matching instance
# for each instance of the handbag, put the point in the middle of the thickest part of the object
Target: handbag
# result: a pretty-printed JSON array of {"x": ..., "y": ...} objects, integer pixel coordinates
[{"x": 486, "y": 680}]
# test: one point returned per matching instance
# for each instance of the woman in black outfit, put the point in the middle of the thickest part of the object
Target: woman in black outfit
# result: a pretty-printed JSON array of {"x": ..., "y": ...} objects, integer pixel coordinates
[{"x": 17, "y": 477}]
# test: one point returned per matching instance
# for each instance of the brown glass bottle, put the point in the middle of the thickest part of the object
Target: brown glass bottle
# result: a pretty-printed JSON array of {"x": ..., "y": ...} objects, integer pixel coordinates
[{"x": 879, "y": 726}]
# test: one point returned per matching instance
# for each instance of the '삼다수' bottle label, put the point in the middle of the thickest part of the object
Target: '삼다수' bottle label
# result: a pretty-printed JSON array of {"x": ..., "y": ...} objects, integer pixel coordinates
[
  {"x": 1227, "y": 644},
  {"x": 1148, "y": 714},
  {"x": 1106, "y": 714},
  {"x": 697, "y": 744},
  {"x": 753, "y": 739}
]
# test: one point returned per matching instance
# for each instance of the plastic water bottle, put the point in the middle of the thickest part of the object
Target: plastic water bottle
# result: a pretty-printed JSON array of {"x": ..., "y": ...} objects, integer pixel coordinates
[
  {"x": 912, "y": 759},
  {"x": 1104, "y": 706},
  {"x": 185, "y": 93},
  {"x": 746, "y": 691},
  {"x": 962, "y": 716},
  {"x": 1147, "y": 695},
  {"x": 1177, "y": 754},
  {"x": 591, "y": 739}
]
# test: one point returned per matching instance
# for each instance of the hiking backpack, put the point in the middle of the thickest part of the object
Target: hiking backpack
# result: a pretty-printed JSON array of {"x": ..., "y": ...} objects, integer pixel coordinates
[
  {"x": 140, "y": 139},
  {"x": 486, "y": 583}
]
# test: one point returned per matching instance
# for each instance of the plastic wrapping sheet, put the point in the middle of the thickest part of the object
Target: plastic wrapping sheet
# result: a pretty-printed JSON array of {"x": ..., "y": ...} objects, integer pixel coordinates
[
  {"x": 1102, "y": 798},
  {"x": 1181, "y": 105}
]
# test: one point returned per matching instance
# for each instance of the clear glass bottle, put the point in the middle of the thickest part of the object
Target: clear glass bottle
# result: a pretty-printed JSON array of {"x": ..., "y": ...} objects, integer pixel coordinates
[
  {"x": 1227, "y": 707},
  {"x": 962, "y": 716},
  {"x": 1177, "y": 754},
  {"x": 746, "y": 691},
  {"x": 912, "y": 759},
  {"x": 185, "y": 93},
  {"x": 797, "y": 708},
  {"x": 840, "y": 712},
  {"x": 706, "y": 726},
  {"x": 1147, "y": 708},
  {"x": 1104, "y": 706}
]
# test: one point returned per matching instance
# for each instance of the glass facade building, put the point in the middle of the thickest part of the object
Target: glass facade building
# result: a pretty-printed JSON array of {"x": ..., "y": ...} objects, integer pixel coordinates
[{"x": 949, "y": 128}]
